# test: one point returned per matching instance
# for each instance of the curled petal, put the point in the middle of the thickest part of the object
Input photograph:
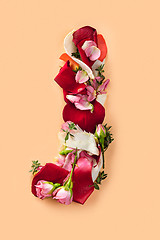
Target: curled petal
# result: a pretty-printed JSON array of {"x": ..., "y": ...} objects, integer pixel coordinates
[
  {"x": 95, "y": 84},
  {"x": 101, "y": 98},
  {"x": 69, "y": 161},
  {"x": 102, "y": 88},
  {"x": 60, "y": 160},
  {"x": 66, "y": 79},
  {"x": 73, "y": 99},
  {"x": 87, "y": 44},
  {"x": 81, "y": 76},
  {"x": 82, "y": 180},
  {"x": 91, "y": 93},
  {"x": 63, "y": 196},
  {"x": 85, "y": 119},
  {"x": 80, "y": 140},
  {"x": 80, "y": 36},
  {"x": 80, "y": 101},
  {"x": 98, "y": 79},
  {"x": 93, "y": 53},
  {"x": 102, "y": 46},
  {"x": 85, "y": 33},
  {"x": 97, "y": 168},
  {"x": 70, "y": 48}
]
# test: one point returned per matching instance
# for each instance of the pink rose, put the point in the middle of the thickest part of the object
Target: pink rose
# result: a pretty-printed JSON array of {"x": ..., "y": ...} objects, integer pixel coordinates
[
  {"x": 44, "y": 189},
  {"x": 100, "y": 131},
  {"x": 63, "y": 196}
]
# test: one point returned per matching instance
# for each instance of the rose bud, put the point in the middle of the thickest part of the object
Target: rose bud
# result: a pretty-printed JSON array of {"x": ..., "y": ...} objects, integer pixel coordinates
[
  {"x": 100, "y": 131},
  {"x": 45, "y": 189},
  {"x": 63, "y": 195}
]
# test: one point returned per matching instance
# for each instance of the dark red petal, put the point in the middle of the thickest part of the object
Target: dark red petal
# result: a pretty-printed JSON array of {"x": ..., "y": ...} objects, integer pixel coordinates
[
  {"x": 84, "y": 118},
  {"x": 82, "y": 181},
  {"x": 50, "y": 172},
  {"x": 85, "y": 33},
  {"x": 66, "y": 79}
]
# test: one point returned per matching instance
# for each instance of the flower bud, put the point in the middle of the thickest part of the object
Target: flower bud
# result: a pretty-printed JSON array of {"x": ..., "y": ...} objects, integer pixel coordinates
[
  {"x": 100, "y": 131},
  {"x": 63, "y": 195},
  {"x": 45, "y": 189}
]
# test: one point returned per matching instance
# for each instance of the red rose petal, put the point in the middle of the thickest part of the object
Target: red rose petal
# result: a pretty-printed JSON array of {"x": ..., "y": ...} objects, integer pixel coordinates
[
  {"x": 85, "y": 33},
  {"x": 66, "y": 79},
  {"x": 85, "y": 119},
  {"x": 80, "y": 36},
  {"x": 102, "y": 46},
  {"x": 82, "y": 181}
]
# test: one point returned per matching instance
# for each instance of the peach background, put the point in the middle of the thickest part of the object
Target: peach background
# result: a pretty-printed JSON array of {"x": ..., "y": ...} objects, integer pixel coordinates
[{"x": 31, "y": 40}]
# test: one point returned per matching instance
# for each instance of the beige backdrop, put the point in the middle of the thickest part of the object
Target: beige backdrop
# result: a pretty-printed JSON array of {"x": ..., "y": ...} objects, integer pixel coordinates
[{"x": 31, "y": 40}]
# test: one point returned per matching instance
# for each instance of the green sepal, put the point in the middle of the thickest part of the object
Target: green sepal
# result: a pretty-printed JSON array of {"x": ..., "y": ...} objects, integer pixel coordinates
[{"x": 65, "y": 151}]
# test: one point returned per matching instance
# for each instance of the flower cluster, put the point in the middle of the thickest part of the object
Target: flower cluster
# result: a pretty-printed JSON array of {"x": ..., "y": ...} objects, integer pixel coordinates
[{"x": 76, "y": 171}]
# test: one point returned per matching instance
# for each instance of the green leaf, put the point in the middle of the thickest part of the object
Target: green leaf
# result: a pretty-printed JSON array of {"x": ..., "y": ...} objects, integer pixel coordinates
[
  {"x": 98, "y": 180},
  {"x": 100, "y": 71},
  {"x": 67, "y": 136},
  {"x": 76, "y": 54},
  {"x": 101, "y": 176},
  {"x": 34, "y": 166},
  {"x": 96, "y": 186}
]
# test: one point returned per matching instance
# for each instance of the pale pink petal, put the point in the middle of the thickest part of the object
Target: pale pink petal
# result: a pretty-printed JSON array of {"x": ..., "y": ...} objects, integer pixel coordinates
[
  {"x": 102, "y": 88},
  {"x": 87, "y": 44},
  {"x": 93, "y": 53},
  {"x": 81, "y": 76},
  {"x": 61, "y": 160},
  {"x": 99, "y": 79},
  {"x": 73, "y": 98},
  {"x": 83, "y": 104},
  {"x": 80, "y": 101},
  {"x": 63, "y": 196},
  {"x": 94, "y": 84},
  {"x": 69, "y": 161},
  {"x": 43, "y": 189},
  {"x": 91, "y": 93}
]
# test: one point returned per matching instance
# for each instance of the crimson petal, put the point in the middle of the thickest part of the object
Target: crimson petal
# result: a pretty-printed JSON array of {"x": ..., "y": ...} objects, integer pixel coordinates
[
  {"x": 82, "y": 180},
  {"x": 85, "y": 33},
  {"x": 50, "y": 172},
  {"x": 85, "y": 119},
  {"x": 66, "y": 79},
  {"x": 80, "y": 36}
]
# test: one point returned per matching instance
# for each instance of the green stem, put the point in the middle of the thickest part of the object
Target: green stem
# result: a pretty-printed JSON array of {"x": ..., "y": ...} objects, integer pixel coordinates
[
  {"x": 74, "y": 164},
  {"x": 102, "y": 149},
  {"x": 103, "y": 157}
]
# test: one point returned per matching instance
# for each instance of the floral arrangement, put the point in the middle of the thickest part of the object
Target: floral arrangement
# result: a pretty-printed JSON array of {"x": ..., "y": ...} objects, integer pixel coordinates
[{"x": 84, "y": 139}]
